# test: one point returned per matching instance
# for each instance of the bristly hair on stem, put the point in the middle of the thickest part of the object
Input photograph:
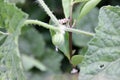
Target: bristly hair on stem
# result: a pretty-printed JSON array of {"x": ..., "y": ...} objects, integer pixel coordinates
[
  {"x": 49, "y": 12},
  {"x": 48, "y": 26}
]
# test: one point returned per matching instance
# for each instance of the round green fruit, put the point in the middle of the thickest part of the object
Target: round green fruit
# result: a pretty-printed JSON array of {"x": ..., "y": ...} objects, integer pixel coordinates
[{"x": 58, "y": 39}]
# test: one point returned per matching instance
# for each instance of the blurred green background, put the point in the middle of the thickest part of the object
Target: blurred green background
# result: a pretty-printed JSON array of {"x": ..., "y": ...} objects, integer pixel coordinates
[{"x": 40, "y": 60}]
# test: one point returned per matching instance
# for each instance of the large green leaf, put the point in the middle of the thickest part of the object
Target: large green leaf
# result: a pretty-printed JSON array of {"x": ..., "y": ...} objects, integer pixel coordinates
[
  {"x": 102, "y": 60},
  {"x": 52, "y": 60},
  {"x": 88, "y": 23},
  {"x": 31, "y": 42},
  {"x": 11, "y": 19}
]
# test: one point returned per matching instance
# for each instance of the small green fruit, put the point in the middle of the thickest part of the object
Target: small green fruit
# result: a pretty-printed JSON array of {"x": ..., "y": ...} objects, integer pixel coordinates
[{"x": 58, "y": 39}]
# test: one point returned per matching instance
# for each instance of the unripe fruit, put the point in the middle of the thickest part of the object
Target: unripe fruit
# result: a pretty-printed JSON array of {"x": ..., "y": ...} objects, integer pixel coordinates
[{"x": 58, "y": 39}]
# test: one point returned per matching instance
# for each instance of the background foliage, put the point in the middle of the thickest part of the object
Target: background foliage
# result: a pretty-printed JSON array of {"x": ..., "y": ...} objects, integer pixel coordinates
[
  {"x": 40, "y": 60},
  {"x": 88, "y": 23}
]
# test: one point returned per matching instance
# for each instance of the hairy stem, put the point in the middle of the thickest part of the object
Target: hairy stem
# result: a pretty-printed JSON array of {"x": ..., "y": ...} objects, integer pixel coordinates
[
  {"x": 47, "y": 10},
  {"x": 79, "y": 31},
  {"x": 45, "y": 25}
]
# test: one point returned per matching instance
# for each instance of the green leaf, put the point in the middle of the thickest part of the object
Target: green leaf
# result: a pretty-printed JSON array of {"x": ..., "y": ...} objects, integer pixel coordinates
[
  {"x": 31, "y": 42},
  {"x": 52, "y": 60},
  {"x": 65, "y": 47},
  {"x": 88, "y": 7},
  {"x": 66, "y": 7},
  {"x": 29, "y": 62},
  {"x": 15, "y": 1},
  {"x": 102, "y": 60},
  {"x": 77, "y": 11},
  {"x": 75, "y": 60},
  {"x": 11, "y": 19},
  {"x": 88, "y": 23},
  {"x": 77, "y": 1}
]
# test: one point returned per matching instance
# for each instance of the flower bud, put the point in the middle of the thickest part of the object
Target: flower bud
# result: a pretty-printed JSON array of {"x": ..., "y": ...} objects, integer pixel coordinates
[{"x": 58, "y": 39}]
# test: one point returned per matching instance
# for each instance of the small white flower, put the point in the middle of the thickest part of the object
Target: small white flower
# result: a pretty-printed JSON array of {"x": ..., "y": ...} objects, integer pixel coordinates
[{"x": 74, "y": 71}]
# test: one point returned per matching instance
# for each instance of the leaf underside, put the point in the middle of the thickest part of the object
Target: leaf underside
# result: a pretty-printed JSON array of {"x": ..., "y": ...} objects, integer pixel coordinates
[{"x": 102, "y": 60}]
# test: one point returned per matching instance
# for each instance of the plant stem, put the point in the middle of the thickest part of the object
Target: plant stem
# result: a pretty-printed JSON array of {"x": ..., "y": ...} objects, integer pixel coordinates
[
  {"x": 45, "y": 25},
  {"x": 70, "y": 33},
  {"x": 47, "y": 10}
]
